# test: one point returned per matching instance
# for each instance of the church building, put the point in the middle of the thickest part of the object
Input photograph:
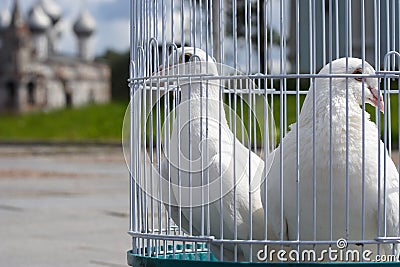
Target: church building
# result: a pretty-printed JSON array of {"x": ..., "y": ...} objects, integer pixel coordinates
[{"x": 34, "y": 75}]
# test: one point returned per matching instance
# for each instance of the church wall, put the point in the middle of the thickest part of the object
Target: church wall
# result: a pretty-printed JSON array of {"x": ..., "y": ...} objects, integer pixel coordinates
[
  {"x": 56, "y": 94},
  {"x": 89, "y": 91},
  {"x": 45, "y": 90}
]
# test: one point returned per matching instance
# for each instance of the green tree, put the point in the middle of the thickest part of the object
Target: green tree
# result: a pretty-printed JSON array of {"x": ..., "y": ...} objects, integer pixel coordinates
[{"x": 119, "y": 64}]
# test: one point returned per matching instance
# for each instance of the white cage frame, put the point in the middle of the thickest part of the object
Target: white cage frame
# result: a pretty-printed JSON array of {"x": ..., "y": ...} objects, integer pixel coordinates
[{"x": 279, "y": 60}]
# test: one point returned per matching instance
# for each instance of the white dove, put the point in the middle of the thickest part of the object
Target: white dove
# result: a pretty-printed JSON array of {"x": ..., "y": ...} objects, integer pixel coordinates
[
  {"x": 358, "y": 88},
  {"x": 200, "y": 168}
]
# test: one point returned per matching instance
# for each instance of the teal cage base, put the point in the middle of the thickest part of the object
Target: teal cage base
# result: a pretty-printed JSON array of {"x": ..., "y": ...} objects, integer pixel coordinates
[{"x": 188, "y": 260}]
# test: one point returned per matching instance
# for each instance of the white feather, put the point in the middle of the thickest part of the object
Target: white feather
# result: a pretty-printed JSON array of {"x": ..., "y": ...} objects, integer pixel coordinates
[
  {"x": 192, "y": 159},
  {"x": 287, "y": 229}
]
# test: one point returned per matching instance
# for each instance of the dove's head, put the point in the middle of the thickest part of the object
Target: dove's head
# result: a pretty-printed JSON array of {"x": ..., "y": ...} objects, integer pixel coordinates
[
  {"x": 189, "y": 67},
  {"x": 190, "y": 60},
  {"x": 356, "y": 85}
]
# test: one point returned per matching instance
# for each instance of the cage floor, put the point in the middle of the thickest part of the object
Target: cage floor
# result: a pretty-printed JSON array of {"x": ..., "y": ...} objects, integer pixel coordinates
[{"x": 180, "y": 260}]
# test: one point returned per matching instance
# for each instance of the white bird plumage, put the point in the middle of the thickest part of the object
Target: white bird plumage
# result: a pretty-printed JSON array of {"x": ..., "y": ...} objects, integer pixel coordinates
[
  {"x": 194, "y": 156},
  {"x": 287, "y": 229}
]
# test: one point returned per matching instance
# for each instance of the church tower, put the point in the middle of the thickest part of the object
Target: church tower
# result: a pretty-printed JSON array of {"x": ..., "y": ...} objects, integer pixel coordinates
[
  {"x": 84, "y": 28},
  {"x": 39, "y": 24},
  {"x": 4, "y": 23},
  {"x": 54, "y": 12},
  {"x": 16, "y": 46}
]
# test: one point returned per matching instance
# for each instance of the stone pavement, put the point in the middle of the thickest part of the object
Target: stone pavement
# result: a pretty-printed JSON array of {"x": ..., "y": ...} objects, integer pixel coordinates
[{"x": 63, "y": 206}]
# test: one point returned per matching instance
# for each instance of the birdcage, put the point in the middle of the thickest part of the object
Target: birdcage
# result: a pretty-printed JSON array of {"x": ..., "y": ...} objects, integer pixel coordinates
[{"x": 263, "y": 131}]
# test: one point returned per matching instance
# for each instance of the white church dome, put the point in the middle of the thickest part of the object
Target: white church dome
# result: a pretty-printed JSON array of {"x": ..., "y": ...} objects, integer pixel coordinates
[
  {"x": 5, "y": 19},
  {"x": 85, "y": 24},
  {"x": 38, "y": 20},
  {"x": 52, "y": 9}
]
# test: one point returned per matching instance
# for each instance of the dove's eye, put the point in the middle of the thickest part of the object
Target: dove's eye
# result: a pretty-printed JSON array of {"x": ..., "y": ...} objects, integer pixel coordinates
[
  {"x": 358, "y": 71},
  {"x": 187, "y": 58}
]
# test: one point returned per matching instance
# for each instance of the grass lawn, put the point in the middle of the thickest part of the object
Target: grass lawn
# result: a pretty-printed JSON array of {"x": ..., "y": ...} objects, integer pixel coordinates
[
  {"x": 291, "y": 116},
  {"x": 102, "y": 123},
  {"x": 394, "y": 111}
]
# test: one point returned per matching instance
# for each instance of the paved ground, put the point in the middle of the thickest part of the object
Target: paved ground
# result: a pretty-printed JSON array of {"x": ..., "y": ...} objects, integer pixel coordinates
[{"x": 63, "y": 206}]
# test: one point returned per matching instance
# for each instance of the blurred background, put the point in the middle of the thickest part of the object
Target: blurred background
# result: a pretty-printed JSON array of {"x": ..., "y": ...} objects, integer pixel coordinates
[
  {"x": 64, "y": 67},
  {"x": 64, "y": 184},
  {"x": 63, "y": 70}
]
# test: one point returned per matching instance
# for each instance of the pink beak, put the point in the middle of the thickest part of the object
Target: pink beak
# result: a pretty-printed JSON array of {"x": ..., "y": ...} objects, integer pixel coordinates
[
  {"x": 377, "y": 99},
  {"x": 159, "y": 73}
]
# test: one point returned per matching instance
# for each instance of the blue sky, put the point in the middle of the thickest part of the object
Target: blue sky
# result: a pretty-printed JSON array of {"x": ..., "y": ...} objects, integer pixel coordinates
[{"x": 112, "y": 17}]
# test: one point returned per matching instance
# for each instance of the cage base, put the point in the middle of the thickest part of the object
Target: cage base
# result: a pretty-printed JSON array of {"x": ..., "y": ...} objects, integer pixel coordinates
[{"x": 180, "y": 260}]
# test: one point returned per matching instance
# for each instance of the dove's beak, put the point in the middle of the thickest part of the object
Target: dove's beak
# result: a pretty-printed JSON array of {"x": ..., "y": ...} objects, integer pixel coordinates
[
  {"x": 160, "y": 72},
  {"x": 376, "y": 99}
]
